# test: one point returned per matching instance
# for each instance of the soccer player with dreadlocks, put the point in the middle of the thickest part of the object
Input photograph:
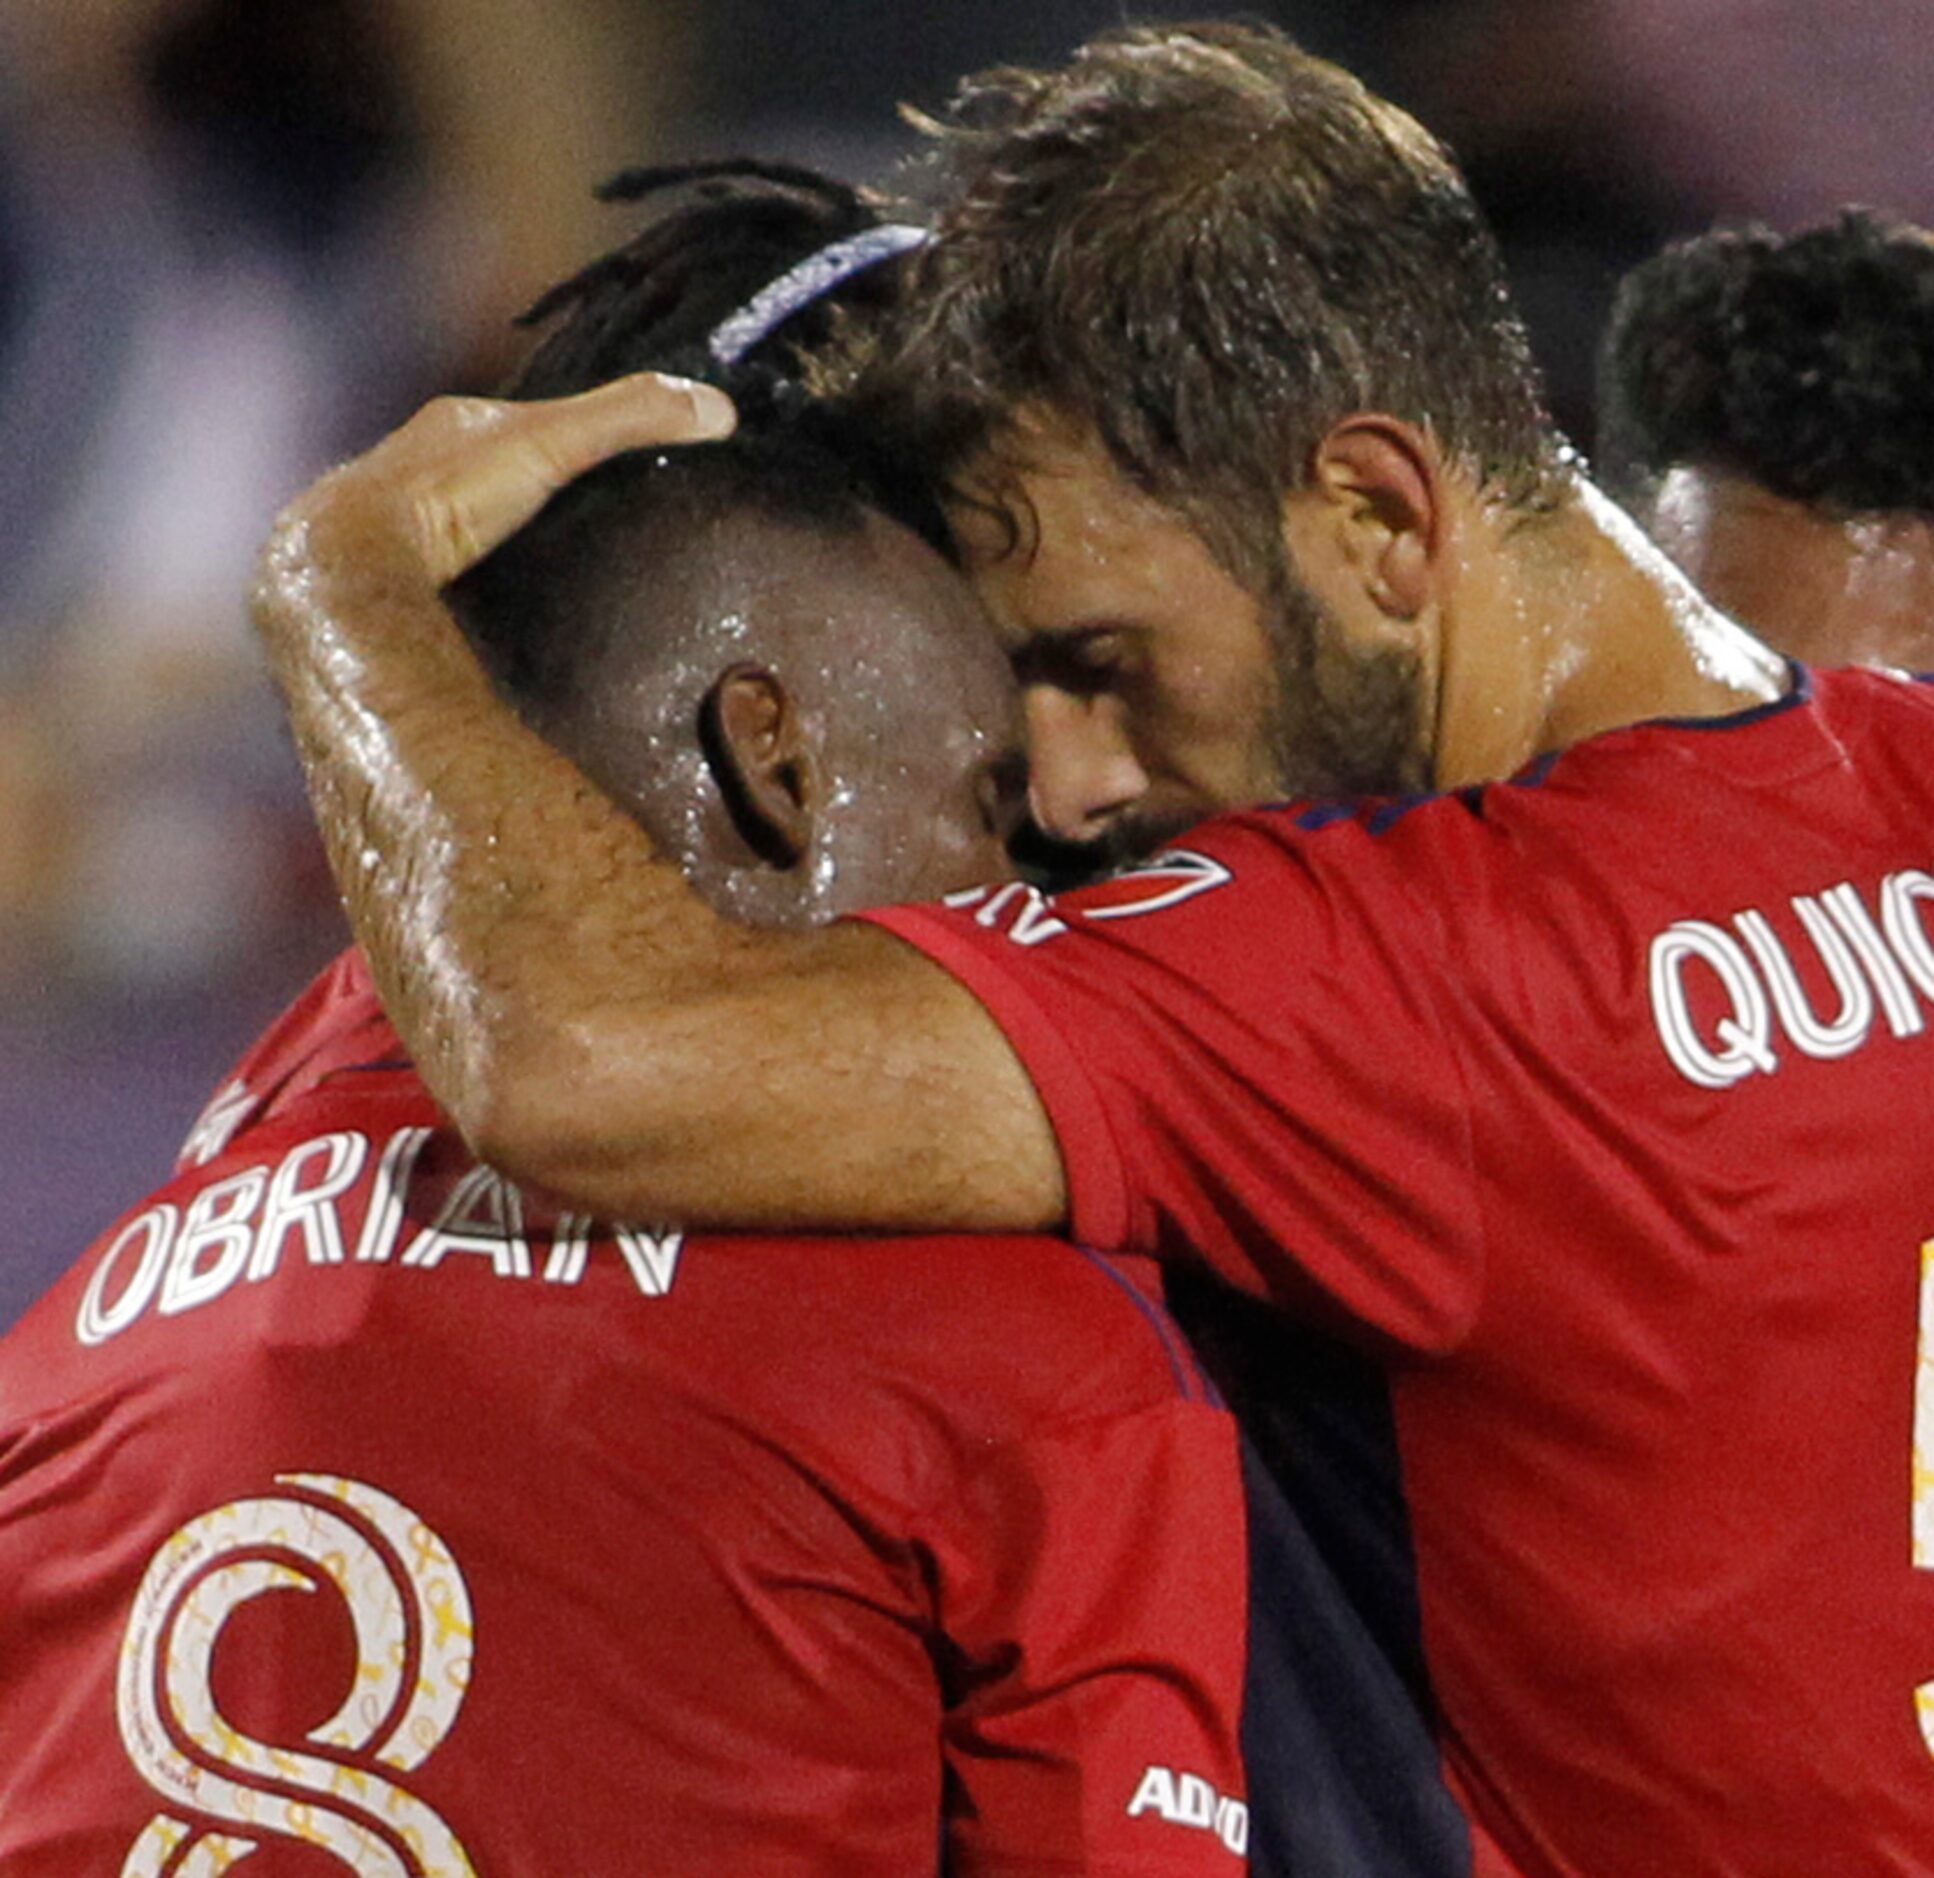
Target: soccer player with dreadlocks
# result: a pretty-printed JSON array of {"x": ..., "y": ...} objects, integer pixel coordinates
[
  {"x": 362, "y": 1513},
  {"x": 1579, "y": 1072}
]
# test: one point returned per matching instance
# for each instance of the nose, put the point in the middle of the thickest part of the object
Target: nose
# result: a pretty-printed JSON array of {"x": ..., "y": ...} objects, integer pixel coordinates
[{"x": 1082, "y": 768}]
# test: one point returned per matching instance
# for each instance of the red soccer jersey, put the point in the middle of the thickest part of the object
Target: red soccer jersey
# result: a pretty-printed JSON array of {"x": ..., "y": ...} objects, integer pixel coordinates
[
  {"x": 352, "y": 1509},
  {"x": 1600, "y": 1103}
]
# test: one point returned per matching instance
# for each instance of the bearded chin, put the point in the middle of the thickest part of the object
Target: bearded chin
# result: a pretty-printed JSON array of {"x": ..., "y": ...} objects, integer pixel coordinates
[
  {"x": 1340, "y": 722},
  {"x": 1345, "y": 722}
]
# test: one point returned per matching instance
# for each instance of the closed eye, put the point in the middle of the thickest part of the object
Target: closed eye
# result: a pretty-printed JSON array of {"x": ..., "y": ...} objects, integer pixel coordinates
[{"x": 1081, "y": 662}]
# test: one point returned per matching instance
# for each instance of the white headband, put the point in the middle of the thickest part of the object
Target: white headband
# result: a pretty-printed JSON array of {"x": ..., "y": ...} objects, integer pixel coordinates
[{"x": 799, "y": 286}]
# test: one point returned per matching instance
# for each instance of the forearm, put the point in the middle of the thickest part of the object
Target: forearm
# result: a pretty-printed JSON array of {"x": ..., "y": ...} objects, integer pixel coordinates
[
  {"x": 471, "y": 857},
  {"x": 588, "y": 1022}
]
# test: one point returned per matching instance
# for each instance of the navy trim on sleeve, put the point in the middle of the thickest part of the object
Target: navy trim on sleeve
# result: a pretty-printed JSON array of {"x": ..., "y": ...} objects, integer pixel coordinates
[{"x": 1190, "y": 1380}]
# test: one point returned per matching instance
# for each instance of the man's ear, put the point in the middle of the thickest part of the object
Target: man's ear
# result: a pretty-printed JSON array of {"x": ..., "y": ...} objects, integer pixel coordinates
[
  {"x": 1373, "y": 512},
  {"x": 762, "y": 761}
]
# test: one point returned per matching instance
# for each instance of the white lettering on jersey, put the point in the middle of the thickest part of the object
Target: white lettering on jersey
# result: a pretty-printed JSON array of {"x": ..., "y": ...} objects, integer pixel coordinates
[
  {"x": 299, "y": 1205},
  {"x": 483, "y": 1215},
  {"x": 570, "y": 1249},
  {"x": 1022, "y": 908},
  {"x": 406, "y": 1599},
  {"x": 154, "y": 1232},
  {"x": 243, "y": 1225},
  {"x": 1923, "y": 1463},
  {"x": 1189, "y": 1800},
  {"x": 1155, "y": 885},
  {"x": 229, "y": 1107},
  {"x": 384, "y": 1220},
  {"x": 651, "y": 1256},
  {"x": 1875, "y": 965},
  {"x": 212, "y": 1251}
]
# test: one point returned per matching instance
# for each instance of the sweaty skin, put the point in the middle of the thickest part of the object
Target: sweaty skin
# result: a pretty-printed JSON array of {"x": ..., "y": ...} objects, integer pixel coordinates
[
  {"x": 1832, "y": 591},
  {"x": 527, "y": 939},
  {"x": 597, "y": 1032},
  {"x": 1149, "y": 680}
]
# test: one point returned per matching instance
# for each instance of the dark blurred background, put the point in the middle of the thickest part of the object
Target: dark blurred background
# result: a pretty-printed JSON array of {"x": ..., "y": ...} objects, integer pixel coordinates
[{"x": 241, "y": 238}]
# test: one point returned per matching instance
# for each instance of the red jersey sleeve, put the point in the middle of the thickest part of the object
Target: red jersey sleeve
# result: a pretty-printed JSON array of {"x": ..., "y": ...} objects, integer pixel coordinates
[
  {"x": 1089, "y": 1724},
  {"x": 1245, "y": 1051}
]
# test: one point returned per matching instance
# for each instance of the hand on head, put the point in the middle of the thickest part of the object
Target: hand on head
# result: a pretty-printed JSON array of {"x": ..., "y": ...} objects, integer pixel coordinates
[{"x": 464, "y": 474}]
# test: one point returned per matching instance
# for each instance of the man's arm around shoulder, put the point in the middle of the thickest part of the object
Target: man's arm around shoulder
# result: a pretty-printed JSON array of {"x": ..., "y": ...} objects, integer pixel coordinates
[{"x": 592, "y": 1027}]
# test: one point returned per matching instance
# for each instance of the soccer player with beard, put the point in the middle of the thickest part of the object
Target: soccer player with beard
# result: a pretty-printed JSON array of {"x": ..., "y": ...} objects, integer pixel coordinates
[
  {"x": 1582, "y": 1077},
  {"x": 1766, "y": 411},
  {"x": 358, "y": 1512}
]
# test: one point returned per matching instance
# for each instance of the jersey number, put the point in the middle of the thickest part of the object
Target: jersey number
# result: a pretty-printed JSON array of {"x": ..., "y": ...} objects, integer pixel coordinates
[
  {"x": 411, "y": 1612},
  {"x": 1924, "y": 1462}
]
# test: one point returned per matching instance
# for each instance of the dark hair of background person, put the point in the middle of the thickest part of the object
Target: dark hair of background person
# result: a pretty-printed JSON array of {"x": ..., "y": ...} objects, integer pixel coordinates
[
  {"x": 1211, "y": 246},
  {"x": 1803, "y": 363},
  {"x": 718, "y": 233}
]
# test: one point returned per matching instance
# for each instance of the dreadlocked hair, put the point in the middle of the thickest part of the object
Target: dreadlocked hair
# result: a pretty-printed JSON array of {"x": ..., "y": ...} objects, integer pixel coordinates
[
  {"x": 717, "y": 233},
  {"x": 723, "y": 230}
]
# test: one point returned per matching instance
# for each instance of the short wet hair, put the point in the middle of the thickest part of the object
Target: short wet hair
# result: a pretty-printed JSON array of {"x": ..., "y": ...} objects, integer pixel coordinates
[
  {"x": 1803, "y": 363},
  {"x": 1211, "y": 247}
]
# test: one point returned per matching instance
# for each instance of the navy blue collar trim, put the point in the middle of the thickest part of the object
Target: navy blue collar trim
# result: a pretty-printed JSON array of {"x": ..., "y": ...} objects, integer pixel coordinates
[
  {"x": 1800, "y": 692},
  {"x": 1380, "y": 814}
]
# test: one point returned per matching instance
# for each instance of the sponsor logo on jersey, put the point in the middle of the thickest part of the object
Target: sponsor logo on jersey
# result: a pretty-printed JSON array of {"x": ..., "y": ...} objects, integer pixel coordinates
[
  {"x": 1029, "y": 917},
  {"x": 1189, "y": 1800},
  {"x": 1727, "y": 1000}
]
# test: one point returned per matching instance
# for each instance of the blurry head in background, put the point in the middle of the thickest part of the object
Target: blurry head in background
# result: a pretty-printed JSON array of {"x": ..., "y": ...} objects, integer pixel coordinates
[
  {"x": 1162, "y": 277},
  {"x": 1766, "y": 411},
  {"x": 755, "y": 648}
]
